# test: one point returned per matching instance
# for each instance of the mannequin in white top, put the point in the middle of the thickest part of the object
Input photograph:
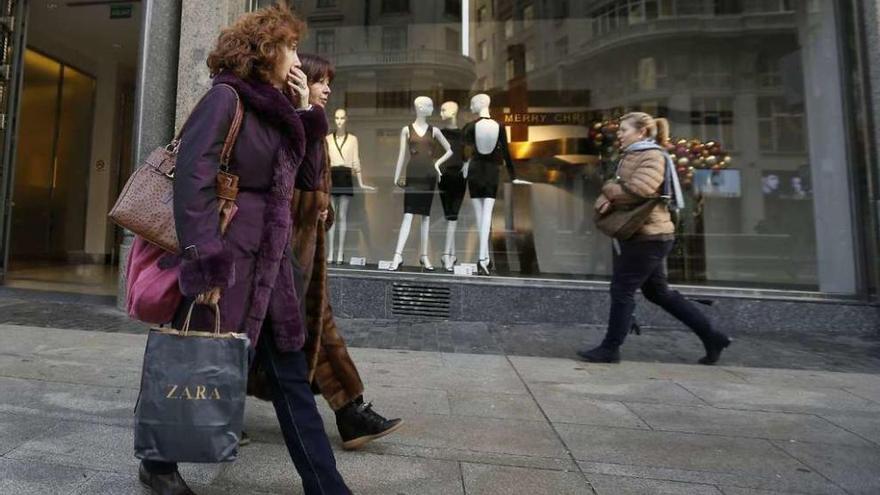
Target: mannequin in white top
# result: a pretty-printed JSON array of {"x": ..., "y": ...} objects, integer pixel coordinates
[
  {"x": 491, "y": 146},
  {"x": 345, "y": 162},
  {"x": 418, "y": 141}
]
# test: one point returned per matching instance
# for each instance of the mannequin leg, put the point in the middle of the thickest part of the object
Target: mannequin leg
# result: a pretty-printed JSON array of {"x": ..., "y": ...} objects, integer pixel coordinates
[
  {"x": 424, "y": 239},
  {"x": 405, "y": 227},
  {"x": 486, "y": 227},
  {"x": 478, "y": 214},
  {"x": 426, "y": 230},
  {"x": 450, "y": 237},
  {"x": 331, "y": 235},
  {"x": 342, "y": 222}
]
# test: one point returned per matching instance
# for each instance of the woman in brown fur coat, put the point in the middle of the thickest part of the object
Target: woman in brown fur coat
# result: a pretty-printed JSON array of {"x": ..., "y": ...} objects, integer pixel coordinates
[
  {"x": 640, "y": 261},
  {"x": 331, "y": 368}
]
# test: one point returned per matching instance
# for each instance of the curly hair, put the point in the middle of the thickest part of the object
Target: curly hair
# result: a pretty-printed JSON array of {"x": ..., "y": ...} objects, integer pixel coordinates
[
  {"x": 316, "y": 68},
  {"x": 253, "y": 46}
]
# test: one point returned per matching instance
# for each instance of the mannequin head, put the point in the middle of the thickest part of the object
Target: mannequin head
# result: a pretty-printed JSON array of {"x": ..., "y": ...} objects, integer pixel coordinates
[
  {"x": 480, "y": 102},
  {"x": 448, "y": 110},
  {"x": 424, "y": 106},
  {"x": 340, "y": 118}
]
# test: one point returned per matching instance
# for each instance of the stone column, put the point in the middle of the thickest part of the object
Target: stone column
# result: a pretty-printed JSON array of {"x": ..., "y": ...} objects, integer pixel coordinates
[
  {"x": 832, "y": 189},
  {"x": 871, "y": 16},
  {"x": 156, "y": 93},
  {"x": 200, "y": 25}
]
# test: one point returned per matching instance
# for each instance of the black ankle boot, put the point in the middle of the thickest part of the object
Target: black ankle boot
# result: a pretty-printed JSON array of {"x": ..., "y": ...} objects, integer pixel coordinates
[
  {"x": 600, "y": 355},
  {"x": 164, "y": 484},
  {"x": 714, "y": 344},
  {"x": 359, "y": 425}
]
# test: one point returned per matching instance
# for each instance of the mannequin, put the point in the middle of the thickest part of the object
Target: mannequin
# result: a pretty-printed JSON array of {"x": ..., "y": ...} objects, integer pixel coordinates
[
  {"x": 345, "y": 161},
  {"x": 486, "y": 142},
  {"x": 452, "y": 183},
  {"x": 418, "y": 140}
]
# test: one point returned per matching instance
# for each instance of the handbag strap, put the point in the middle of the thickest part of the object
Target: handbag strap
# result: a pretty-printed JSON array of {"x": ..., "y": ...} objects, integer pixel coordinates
[{"x": 231, "y": 136}]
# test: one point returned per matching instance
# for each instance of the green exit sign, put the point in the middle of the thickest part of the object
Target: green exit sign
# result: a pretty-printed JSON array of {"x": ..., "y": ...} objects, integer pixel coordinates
[{"x": 120, "y": 11}]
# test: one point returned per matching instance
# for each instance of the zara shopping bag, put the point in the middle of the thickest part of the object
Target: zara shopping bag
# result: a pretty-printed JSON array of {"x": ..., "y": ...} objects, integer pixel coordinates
[{"x": 191, "y": 405}]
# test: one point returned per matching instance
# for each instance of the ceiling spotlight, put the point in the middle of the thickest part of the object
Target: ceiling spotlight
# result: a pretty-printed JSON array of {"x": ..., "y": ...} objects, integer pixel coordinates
[
  {"x": 51, "y": 5},
  {"x": 117, "y": 46}
]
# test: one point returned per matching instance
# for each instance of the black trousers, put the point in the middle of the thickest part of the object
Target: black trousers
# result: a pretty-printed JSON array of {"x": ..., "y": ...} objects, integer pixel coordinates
[
  {"x": 642, "y": 265},
  {"x": 300, "y": 422}
]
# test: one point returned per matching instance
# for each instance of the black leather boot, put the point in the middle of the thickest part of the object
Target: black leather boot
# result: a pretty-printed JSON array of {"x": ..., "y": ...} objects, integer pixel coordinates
[
  {"x": 164, "y": 484},
  {"x": 600, "y": 355},
  {"x": 714, "y": 344},
  {"x": 359, "y": 425}
]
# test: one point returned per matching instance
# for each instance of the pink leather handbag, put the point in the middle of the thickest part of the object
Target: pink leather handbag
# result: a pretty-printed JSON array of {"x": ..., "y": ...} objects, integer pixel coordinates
[{"x": 152, "y": 294}]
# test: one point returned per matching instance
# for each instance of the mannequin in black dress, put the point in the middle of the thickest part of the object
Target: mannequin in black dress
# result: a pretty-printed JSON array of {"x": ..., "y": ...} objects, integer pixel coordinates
[
  {"x": 452, "y": 184},
  {"x": 418, "y": 141},
  {"x": 486, "y": 140}
]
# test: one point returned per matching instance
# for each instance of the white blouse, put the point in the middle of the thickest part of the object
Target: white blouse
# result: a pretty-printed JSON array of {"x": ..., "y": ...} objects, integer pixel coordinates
[{"x": 344, "y": 152}]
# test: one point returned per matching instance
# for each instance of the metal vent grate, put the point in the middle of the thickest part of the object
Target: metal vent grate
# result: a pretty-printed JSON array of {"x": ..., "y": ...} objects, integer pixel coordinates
[{"x": 420, "y": 300}]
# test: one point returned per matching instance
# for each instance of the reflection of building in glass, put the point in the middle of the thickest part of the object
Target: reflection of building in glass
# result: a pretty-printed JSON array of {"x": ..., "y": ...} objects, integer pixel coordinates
[{"x": 728, "y": 71}]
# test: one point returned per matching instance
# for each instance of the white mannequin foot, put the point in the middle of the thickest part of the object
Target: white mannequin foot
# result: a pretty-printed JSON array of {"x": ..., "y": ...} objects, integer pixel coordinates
[
  {"x": 483, "y": 266},
  {"x": 329, "y": 260},
  {"x": 449, "y": 261},
  {"x": 340, "y": 260},
  {"x": 426, "y": 263},
  {"x": 396, "y": 262}
]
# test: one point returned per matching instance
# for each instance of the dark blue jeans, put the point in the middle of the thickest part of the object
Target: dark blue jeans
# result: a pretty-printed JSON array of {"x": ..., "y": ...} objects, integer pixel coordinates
[
  {"x": 300, "y": 422},
  {"x": 642, "y": 265}
]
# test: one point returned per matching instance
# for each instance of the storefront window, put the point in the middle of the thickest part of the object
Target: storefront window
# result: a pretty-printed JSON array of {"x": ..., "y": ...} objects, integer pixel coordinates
[{"x": 764, "y": 162}]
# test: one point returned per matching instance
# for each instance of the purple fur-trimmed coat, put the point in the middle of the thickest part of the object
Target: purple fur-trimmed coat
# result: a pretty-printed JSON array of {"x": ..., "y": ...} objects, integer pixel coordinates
[{"x": 252, "y": 261}]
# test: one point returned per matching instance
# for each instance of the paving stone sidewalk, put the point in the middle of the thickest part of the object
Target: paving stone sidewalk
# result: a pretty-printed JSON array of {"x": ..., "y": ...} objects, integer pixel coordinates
[
  {"x": 475, "y": 424},
  {"x": 828, "y": 351}
]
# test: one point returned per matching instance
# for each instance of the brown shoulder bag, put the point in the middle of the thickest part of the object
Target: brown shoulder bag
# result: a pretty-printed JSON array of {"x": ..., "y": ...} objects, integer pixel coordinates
[{"x": 145, "y": 205}]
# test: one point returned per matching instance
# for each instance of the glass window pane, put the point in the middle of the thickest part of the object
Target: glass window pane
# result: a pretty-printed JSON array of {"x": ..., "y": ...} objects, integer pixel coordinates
[{"x": 730, "y": 75}]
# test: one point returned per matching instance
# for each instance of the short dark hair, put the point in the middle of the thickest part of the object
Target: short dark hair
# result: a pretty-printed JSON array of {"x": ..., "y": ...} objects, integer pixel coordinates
[{"x": 316, "y": 67}]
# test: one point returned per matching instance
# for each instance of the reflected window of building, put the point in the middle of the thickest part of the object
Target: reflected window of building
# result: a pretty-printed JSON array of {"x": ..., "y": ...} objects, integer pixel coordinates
[
  {"x": 728, "y": 7},
  {"x": 452, "y": 8},
  {"x": 768, "y": 6},
  {"x": 780, "y": 126},
  {"x": 482, "y": 14},
  {"x": 508, "y": 28},
  {"x": 395, "y": 6},
  {"x": 325, "y": 40},
  {"x": 453, "y": 40},
  {"x": 561, "y": 46},
  {"x": 530, "y": 60},
  {"x": 528, "y": 16},
  {"x": 483, "y": 51},
  {"x": 510, "y": 69},
  {"x": 393, "y": 38},
  {"x": 712, "y": 120}
]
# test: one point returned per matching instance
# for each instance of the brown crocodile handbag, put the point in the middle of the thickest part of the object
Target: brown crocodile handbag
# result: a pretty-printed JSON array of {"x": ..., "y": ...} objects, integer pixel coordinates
[{"x": 145, "y": 205}]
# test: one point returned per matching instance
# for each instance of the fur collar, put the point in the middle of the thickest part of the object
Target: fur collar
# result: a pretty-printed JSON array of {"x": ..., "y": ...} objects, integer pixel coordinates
[{"x": 266, "y": 100}]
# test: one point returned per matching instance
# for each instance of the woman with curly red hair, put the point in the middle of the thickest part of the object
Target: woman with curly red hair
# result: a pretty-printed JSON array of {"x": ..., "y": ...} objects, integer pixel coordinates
[{"x": 247, "y": 271}]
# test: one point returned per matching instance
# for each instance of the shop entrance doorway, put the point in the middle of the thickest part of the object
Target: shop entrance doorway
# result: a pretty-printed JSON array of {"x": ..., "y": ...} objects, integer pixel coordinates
[{"x": 67, "y": 142}]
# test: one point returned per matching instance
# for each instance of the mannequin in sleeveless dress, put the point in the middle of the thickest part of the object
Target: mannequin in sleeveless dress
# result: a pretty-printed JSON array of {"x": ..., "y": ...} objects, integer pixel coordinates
[
  {"x": 487, "y": 134},
  {"x": 345, "y": 161},
  {"x": 415, "y": 180}
]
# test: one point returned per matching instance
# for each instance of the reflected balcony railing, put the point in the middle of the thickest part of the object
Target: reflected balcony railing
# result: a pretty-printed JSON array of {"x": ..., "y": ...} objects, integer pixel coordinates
[
  {"x": 739, "y": 24},
  {"x": 410, "y": 57}
]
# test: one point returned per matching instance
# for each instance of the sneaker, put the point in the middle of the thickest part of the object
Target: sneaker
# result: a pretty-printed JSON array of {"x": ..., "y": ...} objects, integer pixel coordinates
[
  {"x": 600, "y": 355},
  {"x": 244, "y": 440},
  {"x": 359, "y": 425}
]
